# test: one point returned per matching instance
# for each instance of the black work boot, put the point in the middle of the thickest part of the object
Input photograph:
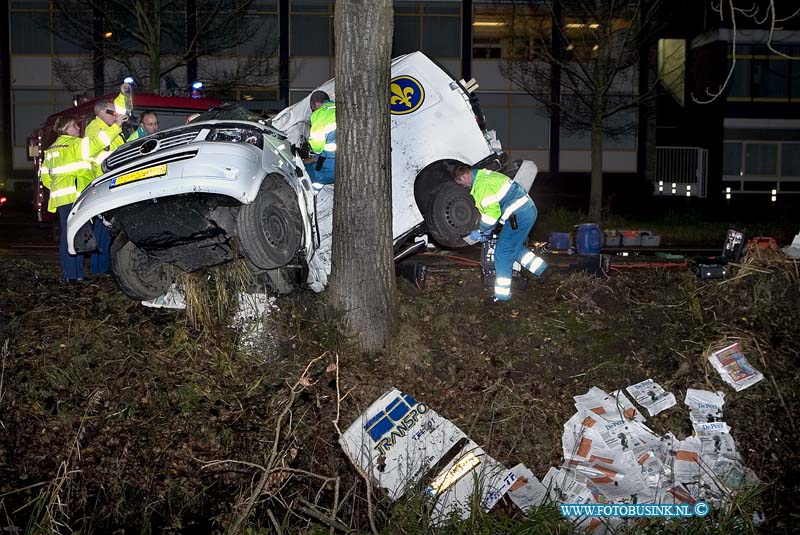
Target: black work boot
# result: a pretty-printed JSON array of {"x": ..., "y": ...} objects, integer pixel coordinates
[{"x": 545, "y": 276}]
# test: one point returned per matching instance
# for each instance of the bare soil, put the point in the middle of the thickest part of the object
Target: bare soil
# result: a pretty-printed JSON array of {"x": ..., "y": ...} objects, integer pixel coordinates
[{"x": 117, "y": 417}]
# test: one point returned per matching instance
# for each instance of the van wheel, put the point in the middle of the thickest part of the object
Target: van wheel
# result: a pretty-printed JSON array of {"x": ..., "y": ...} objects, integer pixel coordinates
[
  {"x": 451, "y": 215},
  {"x": 138, "y": 275},
  {"x": 270, "y": 228}
]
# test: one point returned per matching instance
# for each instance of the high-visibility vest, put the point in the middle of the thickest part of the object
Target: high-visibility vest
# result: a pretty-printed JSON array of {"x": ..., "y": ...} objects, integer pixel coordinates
[
  {"x": 322, "y": 136},
  {"x": 136, "y": 134},
  {"x": 496, "y": 196},
  {"x": 95, "y": 126},
  {"x": 67, "y": 164}
]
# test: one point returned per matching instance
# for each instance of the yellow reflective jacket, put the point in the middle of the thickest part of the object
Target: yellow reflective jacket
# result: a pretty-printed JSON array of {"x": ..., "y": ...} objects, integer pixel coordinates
[
  {"x": 95, "y": 126},
  {"x": 322, "y": 136},
  {"x": 496, "y": 197},
  {"x": 67, "y": 167}
]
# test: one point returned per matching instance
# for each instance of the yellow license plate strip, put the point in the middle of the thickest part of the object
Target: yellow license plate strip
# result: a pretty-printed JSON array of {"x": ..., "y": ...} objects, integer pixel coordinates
[{"x": 141, "y": 174}]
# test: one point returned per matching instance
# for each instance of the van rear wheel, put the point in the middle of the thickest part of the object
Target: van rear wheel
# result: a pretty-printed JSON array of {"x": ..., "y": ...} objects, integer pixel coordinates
[{"x": 451, "y": 215}]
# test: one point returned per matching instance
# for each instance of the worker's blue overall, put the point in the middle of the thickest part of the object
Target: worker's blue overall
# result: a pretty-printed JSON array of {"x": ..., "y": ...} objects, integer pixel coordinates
[{"x": 499, "y": 199}]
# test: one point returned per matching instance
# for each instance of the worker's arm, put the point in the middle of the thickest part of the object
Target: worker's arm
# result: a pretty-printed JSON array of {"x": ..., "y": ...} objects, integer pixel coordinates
[
  {"x": 119, "y": 101},
  {"x": 44, "y": 173},
  {"x": 84, "y": 148}
]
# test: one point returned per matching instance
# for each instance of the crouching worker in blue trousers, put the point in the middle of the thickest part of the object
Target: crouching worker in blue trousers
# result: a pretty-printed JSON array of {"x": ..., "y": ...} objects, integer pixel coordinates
[{"x": 501, "y": 200}]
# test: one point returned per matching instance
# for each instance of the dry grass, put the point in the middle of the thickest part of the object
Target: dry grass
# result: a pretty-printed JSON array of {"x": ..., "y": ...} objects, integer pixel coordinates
[{"x": 211, "y": 296}]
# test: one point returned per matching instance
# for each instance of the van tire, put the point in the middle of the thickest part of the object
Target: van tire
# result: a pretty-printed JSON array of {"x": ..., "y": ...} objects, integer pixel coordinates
[
  {"x": 138, "y": 275},
  {"x": 270, "y": 228},
  {"x": 451, "y": 215}
]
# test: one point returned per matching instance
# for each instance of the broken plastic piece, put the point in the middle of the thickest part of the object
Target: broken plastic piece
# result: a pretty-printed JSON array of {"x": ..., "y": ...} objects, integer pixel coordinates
[
  {"x": 172, "y": 299},
  {"x": 400, "y": 441}
]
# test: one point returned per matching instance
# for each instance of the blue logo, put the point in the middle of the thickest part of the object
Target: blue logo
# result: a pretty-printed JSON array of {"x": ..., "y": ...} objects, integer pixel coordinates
[
  {"x": 393, "y": 422},
  {"x": 407, "y": 95}
]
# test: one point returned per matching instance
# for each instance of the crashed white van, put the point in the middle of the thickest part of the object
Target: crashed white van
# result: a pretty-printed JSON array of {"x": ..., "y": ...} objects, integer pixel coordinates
[{"x": 228, "y": 183}]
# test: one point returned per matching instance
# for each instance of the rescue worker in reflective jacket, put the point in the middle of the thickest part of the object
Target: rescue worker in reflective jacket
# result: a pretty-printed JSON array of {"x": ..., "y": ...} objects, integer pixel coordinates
[
  {"x": 148, "y": 125},
  {"x": 106, "y": 113},
  {"x": 322, "y": 139},
  {"x": 66, "y": 170},
  {"x": 502, "y": 201}
]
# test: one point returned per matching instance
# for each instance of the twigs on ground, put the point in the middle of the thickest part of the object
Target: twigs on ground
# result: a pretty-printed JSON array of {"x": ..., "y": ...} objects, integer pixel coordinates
[
  {"x": 50, "y": 508},
  {"x": 275, "y": 473},
  {"x": 311, "y": 510},
  {"x": 774, "y": 384},
  {"x": 361, "y": 472}
]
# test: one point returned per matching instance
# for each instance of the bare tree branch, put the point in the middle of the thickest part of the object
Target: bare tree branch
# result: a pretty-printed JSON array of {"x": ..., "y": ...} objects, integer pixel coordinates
[{"x": 135, "y": 29}]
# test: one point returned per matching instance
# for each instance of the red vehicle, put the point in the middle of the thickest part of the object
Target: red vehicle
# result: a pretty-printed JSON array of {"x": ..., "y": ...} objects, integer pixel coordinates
[{"x": 172, "y": 111}]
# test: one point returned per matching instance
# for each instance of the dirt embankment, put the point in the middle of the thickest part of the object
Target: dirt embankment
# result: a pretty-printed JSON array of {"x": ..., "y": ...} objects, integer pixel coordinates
[{"x": 116, "y": 416}]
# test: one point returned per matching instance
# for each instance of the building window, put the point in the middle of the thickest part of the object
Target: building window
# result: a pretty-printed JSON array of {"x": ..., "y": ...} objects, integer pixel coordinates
[
  {"x": 264, "y": 36},
  {"x": 622, "y": 135},
  {"x": 31, "y": 33},
  {"x": 770, "y": 74},
  {"x": 759, "y": 73},
  {"x": 732, "y": 159},
  {"x": 432, "y": 27},
  {"x": 739, "y": 86},
  {"x": 761, "y": 159},
  {"x": 672, "y": 66},
  {"x": 790, "y": 159},
  {"x": 519, "y": 121},
  {"x": 31, "y": 108},
  {"x": 501, "y": 31},
  {"x": 311, "y": 30}
]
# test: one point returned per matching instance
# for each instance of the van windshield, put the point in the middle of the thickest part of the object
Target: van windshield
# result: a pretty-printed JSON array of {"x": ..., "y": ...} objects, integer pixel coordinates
[{"x": 230, "y": 111}]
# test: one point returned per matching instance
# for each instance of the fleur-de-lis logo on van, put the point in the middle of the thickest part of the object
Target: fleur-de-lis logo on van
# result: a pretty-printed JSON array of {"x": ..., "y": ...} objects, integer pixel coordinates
[
  {"x": 407, "y": 95},
  {"x": 401, "y": 95}
]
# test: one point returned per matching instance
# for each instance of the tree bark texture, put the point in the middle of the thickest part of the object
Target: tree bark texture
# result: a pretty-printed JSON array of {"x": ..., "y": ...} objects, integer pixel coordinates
[{"x": 362, "y": 278}]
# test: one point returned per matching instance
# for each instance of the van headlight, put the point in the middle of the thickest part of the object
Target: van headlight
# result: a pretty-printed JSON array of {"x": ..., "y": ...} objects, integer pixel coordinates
[{"x": 237, "y": 135}]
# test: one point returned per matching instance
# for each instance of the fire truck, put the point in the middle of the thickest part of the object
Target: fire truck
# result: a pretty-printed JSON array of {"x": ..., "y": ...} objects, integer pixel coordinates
[{"x": 171, "y": 111}]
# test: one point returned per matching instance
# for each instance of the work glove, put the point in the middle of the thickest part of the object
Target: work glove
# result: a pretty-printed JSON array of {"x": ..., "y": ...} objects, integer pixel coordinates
[{"x": 482, "y": 237}]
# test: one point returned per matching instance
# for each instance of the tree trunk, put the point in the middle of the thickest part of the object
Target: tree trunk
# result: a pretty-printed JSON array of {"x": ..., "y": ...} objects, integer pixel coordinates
[
  {"x": 362, "y": 279},
  {"x": 596, "y": 191},
  {"x": 154, "y": 44}
]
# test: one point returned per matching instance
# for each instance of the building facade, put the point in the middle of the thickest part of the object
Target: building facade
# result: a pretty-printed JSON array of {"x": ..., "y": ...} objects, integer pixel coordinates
[{"x": 748, "y": 140}]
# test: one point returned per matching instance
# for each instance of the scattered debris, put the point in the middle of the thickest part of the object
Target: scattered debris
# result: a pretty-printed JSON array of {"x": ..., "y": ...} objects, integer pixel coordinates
[
  {"x": 733, "y": 367},
  {"x": 174, "y": 298},
  {"x": 527, "y": 491},
  {"x": 793, "y": 250},
  {"x": 704, "y": 406},
  {"x": 611, "y": 457},
  {"x": 616, "y": 403},
  {"x": 249, "y": 317},
  {"x": 651, "y": 396},
  {"x": 401, "y": 442}
]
